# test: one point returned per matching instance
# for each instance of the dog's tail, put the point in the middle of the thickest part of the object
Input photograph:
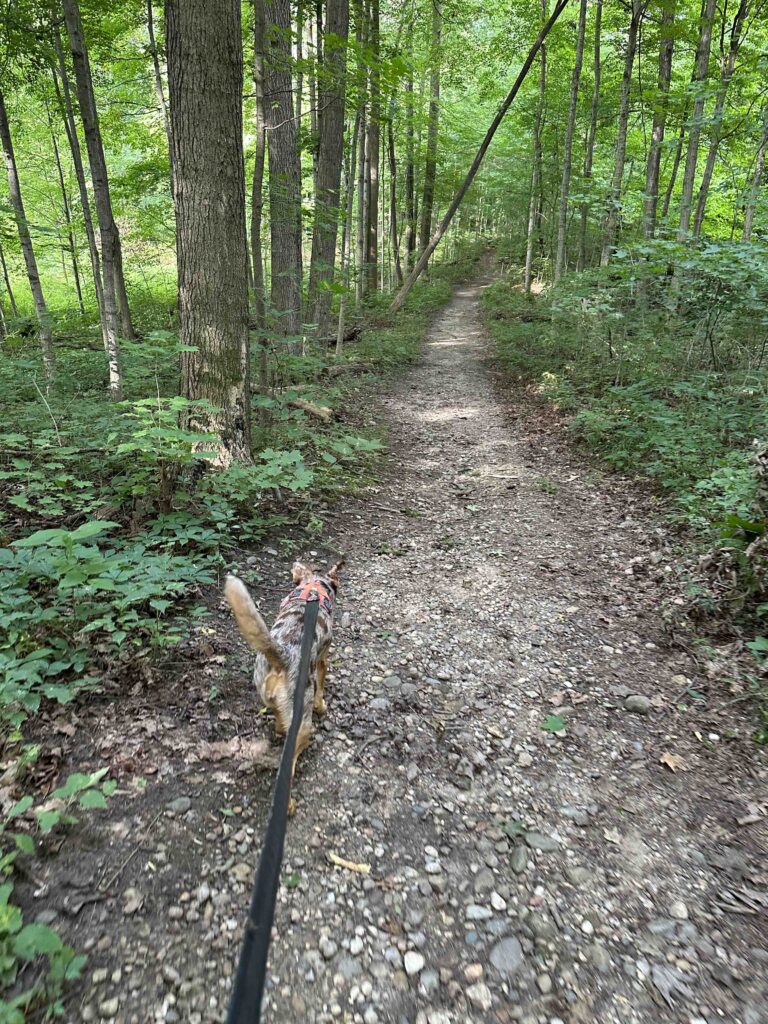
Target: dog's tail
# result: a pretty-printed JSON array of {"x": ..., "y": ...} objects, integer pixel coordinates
[{"x": 252, "y": 626}]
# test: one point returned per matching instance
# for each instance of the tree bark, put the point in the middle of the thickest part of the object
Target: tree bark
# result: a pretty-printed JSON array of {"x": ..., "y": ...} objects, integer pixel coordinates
[
  {"x": 257, "y": 191},
  {"x": 534, "y": 206},
  {"x": 64, "y": 97},
  {"x": 330, "y": 157},
  {"x": 675, "y": 167},
  {"x": 727, "y": 67},
  {"x": 373, "y": 130},
  {"x": 589, "y": 151},
  {"x": 757, "y": 177},
  {"x": 565, "y": 185},
  {"x": 107, "y": 228},
  {"x": 614, "y": 196},
  {"x": 7, "y": 280},
  {"x": 661, "y": 105},
  {"x": 433, "y": 124},
  {"x": 700, "y": 72},
  {"x": 22, "y": 227},
  {"x": 410, "y": 180},
  {"x": 284, "y": 173},
  {"x": 205, "y": 82},
  {"x": 70, "y": 233},
  {"x": 455, "y": 203}
]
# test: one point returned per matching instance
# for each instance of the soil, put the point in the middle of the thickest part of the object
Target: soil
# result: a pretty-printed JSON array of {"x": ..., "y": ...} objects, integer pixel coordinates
[{"x": 560, "y": 821}]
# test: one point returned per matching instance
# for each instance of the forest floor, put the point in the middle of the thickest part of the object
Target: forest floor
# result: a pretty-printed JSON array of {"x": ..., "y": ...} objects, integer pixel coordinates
[{"x": 496, "y": 584}]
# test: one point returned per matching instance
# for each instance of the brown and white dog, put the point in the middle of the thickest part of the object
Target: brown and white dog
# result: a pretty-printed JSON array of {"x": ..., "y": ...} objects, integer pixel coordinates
[{"x": 277, "y": 662}]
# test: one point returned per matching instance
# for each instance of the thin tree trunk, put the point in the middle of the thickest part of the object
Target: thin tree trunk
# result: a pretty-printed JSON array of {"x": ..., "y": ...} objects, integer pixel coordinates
[
  {"x": 372, "y": 151},
  {"x": 22, "y": 227},
  {"x": 71, "y": 246},
  {"x": 7, "y": 280},
  {"x": 433, "y": 124},
  {"x": 110, "y": 244},
  {"x": 614, "y": 197},
  {"x": 410, "y": 182},
  {"x": 534, "y": 206},
  {"x": 395, "y": 241},
  {"x": 284, "y": 173},
  {"x": 346, "y": 236},
  {"x": 205, "y": 82},
  {"x": 589, "y": 152},
  {"x": 400, "y": 298},
  {"x": 257, "y": 192},
  {"x": 64, "y": 97},
  {"x": 728, "y": 65},
  {"x": 700, "y": 72},
  {"x": 565, "y": 185},
  {"x": 675, "y": 167},
  {"x": 312, "y": 78},
  {"x": 159, "y": 88},
  {"x": 757, "y": 177},
  {"x": 661, "y": 105},
  {"x": 330, "y": 157}
]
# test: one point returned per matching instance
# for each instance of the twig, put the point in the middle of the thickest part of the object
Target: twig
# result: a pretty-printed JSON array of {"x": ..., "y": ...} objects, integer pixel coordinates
[
  {"x": 132, "y": 854},
  {"x": 47, "y": 406},
  {"x": 368, "y": 743}
]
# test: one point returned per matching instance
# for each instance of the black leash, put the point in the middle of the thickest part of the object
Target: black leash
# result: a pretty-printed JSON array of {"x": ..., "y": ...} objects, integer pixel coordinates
[{"x": 245, "y": 1005}]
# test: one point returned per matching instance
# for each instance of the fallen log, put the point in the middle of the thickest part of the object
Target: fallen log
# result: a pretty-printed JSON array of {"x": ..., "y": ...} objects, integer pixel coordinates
[{"x": 337, "y": 369}]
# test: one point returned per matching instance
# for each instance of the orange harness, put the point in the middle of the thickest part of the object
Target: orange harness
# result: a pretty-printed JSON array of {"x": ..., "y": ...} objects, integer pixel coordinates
[{"x": 313, "y": 590}]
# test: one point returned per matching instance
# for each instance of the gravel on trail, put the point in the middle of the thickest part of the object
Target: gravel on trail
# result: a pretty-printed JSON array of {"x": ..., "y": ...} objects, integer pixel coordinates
[{"x": 500, "y": 704}]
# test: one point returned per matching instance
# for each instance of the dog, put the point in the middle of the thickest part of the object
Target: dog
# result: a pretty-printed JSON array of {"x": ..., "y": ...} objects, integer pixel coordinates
[{"x": 277, "y": 663}]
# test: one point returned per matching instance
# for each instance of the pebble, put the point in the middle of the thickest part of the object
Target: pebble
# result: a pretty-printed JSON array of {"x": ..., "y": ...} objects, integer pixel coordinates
[
  {"x": 678, "y": 910},
  {"x": 638, "y": 703},
  {"x": 180, "y": 805},
  {"x": 479, "y": 996},
  {"x": 587, "y": 927},
  {"x": 477, "y": 913},
  {"x": 109, "y": 1008},
  {"x": 507, "y": 956},
  {"x": 356, "y": 946},
  {"x": 544, "y": 983},
  {"x": 539, "y": 841},
  {"x": 413, "y": 962},
  {"x": 327, "y": 947},
  {"x": 519, "y": 860}
]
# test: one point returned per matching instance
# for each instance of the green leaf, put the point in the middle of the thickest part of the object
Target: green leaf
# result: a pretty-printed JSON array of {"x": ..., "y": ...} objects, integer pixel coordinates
[
  {"x": 24, "y": 842},
  {"x": 92, "y": 798},
  {"x": 36, "y": 939},
  {"x": 20, "y": 808},
  {"x": 553, "y": 723},
  {"x": 47, "y": 820}
]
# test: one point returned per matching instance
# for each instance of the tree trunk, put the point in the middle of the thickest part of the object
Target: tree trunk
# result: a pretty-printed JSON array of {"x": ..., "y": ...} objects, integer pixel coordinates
[
  {"x": 534, "y": 206},
  {"x": 589, "y": 152},
  {"x": 413, "y": 277},
  {"x": 410, "y": 181},
  {"x": 700, "y": 72},
  {"x": 22, "y": 227},
  {"x": 430, "y": 162},
  {"x": 727, "y": 67},
  {"x": 205, "y": 83},
  {"x": 330, "y": 157},
  {"x": 70, "y": 234},
  {"x": 159, "y": 88},
  {"x": 257, "y": 191},
  {"x": 565, "y": 186},
  {"x": 757, "y": 177},
  {"x": 394, "y": 239},
  {"x": 64, "y": 97},
  {"x": 614, "y": 197},
  {"x": 110, "y": 244},
  {"x": 346, "y": 235},
  {"x": 284, "y": 173},
  {"x": 7, "y": 280},
  {"x": 675, "y": 167},
  {"x": 372, "y": 152},
  {"x": 661, "y": 104}
]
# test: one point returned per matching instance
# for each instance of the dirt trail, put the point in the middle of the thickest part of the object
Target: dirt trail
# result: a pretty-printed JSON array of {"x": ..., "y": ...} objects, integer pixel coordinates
[{"x": 515, "y": 874}]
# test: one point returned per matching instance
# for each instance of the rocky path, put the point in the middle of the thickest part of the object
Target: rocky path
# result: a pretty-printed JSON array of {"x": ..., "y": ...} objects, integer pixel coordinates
[{"x": 519, "y": 871}]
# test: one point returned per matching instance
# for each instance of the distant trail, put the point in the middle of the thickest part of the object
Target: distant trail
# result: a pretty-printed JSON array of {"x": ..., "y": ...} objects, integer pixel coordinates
[{"x": 515, "y": 875}]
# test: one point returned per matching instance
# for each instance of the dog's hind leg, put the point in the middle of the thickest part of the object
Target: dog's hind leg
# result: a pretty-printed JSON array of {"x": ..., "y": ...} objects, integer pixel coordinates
[
  {"x": 322, "y": 668},
  {"x": 302, "y": 742}
]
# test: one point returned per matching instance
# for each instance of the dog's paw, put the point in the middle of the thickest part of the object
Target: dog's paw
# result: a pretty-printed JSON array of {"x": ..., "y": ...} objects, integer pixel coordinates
[
  {"x": 291, "y": 807},
  {"x": 320, "y": 706}
]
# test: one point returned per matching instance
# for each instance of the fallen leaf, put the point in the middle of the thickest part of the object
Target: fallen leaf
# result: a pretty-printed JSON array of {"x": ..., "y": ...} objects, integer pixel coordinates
[
  {"x": 132, "y": 901},
  {"x": 674, "y": 762},
  {"x": 361, "y": 869},
  {"x": 612, "y": 836},
  {"x": 244, "y": 751},
  {"x": 556, "y": 699}
]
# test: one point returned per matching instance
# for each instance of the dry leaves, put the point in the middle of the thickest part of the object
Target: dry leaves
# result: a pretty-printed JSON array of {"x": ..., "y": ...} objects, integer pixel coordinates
[
  {"x": 247, "y": 752},
  {"x": 674, "y": 762}
]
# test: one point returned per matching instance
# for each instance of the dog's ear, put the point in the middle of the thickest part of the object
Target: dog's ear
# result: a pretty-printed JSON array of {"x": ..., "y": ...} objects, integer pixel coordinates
[
  {"x": 252, "y": 626},
  {"x": 300, "y": 572},
  {"x": 333, "y": 573}
]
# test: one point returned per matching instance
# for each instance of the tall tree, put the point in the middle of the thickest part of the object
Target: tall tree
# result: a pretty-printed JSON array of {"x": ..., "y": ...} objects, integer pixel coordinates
[
  {"x": 205, "y": 81},
  {"x": 373, "y": 132},
  {"x": 700, "y": 73},
  {"x": 71, "y": 247},
  {"x": 410, "y": 179},
  {"x": 284, "y": 172},
  {"x": 158, "y": 79},
  {"x": 30, "y": 262},
  {"x": 757, "y": 177},
  {"x": 433, "y": 124},
  {"x": 535, "y": 204},
  {"x": 565, "y": 185},
  {"x": 660, "y": 108},
  {"x": 7, "y": 282},
  {"x": 727, "y": 68},
  {"x": 614, "y": 196},
  {"x": 330, "y": 156},
  {"x": 589, "y": 149}
]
